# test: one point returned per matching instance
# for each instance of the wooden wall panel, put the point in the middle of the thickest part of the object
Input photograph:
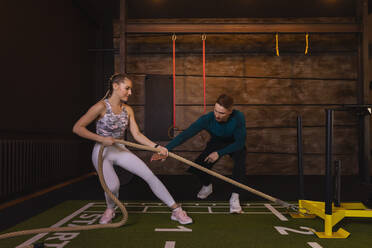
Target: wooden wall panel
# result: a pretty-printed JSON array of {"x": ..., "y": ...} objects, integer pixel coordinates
[
  {"x": 189, "y": 90},
  {"x": 270, "y": 116},
  {"x": 261, "y": 116},
  {"x": 283, "y": 140},
  {"x": 311, "y": 20},
  {"x": 313, "y": 67},
  {"x": 271, "y": 91},
  {"x": 257, "y": 164},
  {"x": 240, "y": 43}
]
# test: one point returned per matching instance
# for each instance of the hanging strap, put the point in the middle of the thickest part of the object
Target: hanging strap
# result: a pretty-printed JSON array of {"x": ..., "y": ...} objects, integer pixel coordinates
[
  {"x": 307, "y": 43},
  {"x": 277, "y": 44},
  {"x": 203, "y": 38},
  {"x": 174, "y": 80}
]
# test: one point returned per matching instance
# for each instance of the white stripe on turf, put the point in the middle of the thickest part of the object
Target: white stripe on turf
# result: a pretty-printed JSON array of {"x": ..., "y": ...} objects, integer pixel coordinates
[
  {"x": 314, "y": 245},
  {"x": 276, "y": 212},
  {"x": 168, "y": 212},
  {"x": 170, "y": 244}
]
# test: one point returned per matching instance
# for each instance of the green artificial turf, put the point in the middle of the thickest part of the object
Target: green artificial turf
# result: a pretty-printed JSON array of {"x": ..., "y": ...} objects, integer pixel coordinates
[{"x": 217, "y": 229}]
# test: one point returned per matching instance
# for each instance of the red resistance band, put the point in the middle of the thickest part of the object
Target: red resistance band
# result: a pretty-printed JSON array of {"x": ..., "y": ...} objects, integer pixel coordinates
[
  {"x": 203, "y": 38},
  {"x": 174, "y": 80}
]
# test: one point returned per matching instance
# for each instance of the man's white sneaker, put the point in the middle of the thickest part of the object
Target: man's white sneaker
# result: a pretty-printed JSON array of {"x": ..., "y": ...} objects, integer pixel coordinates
[
  {"x": 235, "y": 204},
  {"x": 205, "y": 191}
]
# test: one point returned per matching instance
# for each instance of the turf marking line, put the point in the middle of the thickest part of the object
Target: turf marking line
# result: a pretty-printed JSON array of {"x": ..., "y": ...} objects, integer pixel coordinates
[
  {"x": 58, "y": 224},
  {"x": 170, "y": 244},
  {"x": 44, "y": 191},
  {"x": 276, "y": 212},
  {"x": 284, "y": 230},
  {"x": 203, "y": 206},
  {"x": 178, "y": 229},
  {"x": 167, "y": 212},
  {"x": 314, "y": 245},
  {"x": 190, "y": 204}
]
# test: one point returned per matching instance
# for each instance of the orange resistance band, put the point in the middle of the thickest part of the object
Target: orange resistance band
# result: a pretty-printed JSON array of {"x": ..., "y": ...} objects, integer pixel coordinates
[
  {"x": 277, "y": 44},
  {"x": 203, "y": 38},
  {"x": 174, "y": 80}
]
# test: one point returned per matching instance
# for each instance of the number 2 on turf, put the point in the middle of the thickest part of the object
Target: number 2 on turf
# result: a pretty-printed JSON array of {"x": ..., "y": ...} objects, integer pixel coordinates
[{"x": 284, "y": 230}]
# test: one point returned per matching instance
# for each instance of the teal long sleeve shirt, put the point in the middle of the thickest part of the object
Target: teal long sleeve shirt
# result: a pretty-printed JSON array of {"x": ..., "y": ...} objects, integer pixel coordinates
[{"x": 232, "y": 131}]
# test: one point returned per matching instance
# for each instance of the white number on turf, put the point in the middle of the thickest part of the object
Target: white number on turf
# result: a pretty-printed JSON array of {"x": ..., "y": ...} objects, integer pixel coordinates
[{"x": 284, "y": 230}]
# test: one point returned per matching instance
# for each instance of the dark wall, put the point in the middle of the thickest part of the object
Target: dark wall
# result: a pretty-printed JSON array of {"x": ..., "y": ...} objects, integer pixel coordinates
[
  {"x": 49, "y": 79},
  {"x": 48, "y": 73}
]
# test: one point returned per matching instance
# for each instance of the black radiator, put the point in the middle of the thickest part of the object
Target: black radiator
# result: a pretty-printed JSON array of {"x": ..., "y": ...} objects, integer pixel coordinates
[{"x": 30, "y": 164}]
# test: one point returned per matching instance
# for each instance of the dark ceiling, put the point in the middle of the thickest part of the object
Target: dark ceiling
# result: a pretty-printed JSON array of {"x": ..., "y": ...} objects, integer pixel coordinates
[
  {"x": 98, "y": 9},
  {"x": 239, "y": 8}
]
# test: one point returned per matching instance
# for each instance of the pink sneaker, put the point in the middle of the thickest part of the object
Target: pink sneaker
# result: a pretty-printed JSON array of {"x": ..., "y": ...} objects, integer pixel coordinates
[
  {"x": 107, "y": 216},
  {"x": 179, "y": 215}
]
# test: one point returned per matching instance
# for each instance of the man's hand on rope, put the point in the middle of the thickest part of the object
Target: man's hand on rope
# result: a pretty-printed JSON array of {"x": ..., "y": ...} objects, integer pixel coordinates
[
  {"x": 212, "y": 157},
  {"x": 157, "y": 156},
  {"x": 161, "y": 155},
  {"x": 163, "y": 151}
]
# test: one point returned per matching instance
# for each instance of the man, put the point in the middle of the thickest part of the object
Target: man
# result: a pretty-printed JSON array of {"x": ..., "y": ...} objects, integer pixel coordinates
[{"x": 227, "y": 129}]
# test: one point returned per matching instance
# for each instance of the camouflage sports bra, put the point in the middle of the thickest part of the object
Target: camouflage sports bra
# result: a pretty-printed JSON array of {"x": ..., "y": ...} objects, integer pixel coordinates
[{"x": 112, "y": 125}]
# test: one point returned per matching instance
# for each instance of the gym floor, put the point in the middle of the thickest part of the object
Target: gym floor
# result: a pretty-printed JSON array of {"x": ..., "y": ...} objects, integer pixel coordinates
[{"x": 212, "y": 227}]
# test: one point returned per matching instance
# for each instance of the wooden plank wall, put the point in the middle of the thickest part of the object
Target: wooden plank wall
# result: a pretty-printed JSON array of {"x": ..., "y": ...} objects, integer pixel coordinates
[{"x": 271, "y": 91}]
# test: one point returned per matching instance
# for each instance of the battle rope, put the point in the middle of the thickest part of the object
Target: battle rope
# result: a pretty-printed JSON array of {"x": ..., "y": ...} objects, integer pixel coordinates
[
  {"x": 215, "y": 174},
  {"x": 80, "y": 228}
]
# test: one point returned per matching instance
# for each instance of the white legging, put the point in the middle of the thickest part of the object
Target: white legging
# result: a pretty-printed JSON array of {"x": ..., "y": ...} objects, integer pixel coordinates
[{"x": 130, "y": 162}]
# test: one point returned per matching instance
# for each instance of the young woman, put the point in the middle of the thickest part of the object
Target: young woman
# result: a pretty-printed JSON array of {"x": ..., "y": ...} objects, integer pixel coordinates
[{"x": 113, "y": 117}]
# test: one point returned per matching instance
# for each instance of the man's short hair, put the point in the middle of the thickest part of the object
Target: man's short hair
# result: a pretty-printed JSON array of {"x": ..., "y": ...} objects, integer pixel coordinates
[{"x": 225, "y": 101}]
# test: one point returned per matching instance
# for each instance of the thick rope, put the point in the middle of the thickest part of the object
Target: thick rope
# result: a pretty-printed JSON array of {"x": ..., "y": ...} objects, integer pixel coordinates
[
  {"x": 215, "y": 174},
  {"x": 80, "y": 228}
]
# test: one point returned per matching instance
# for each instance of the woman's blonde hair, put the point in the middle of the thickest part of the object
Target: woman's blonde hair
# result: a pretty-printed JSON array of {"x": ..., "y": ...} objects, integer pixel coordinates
[{"x": 116, "y": 78}]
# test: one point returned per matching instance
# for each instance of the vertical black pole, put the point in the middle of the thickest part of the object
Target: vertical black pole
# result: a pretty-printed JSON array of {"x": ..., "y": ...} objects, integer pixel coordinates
[
  {"x": 337, "y": 179},
  {"x": 300, "y": 159},
  {"x": 363, "y": 92},
  {"x": 328, "y": 170}
]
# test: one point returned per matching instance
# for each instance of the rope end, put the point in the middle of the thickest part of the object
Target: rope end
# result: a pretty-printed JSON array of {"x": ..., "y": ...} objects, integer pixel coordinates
[{"x": 287, "y": 205}]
